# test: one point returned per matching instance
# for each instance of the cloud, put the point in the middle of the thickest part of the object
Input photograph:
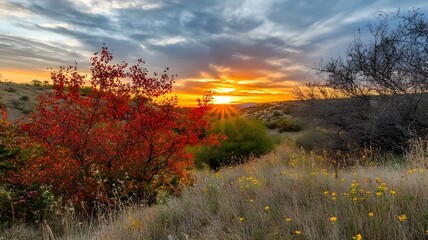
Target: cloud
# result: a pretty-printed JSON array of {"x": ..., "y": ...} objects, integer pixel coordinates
[{"x": 252, "y": 46}]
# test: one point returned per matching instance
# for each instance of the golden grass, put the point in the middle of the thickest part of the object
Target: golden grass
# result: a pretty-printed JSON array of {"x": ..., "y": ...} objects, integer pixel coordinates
[{"x": 287, "y": 194}]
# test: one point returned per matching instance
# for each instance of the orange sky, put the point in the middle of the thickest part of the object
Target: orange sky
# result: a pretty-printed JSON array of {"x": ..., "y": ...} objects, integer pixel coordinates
[
  {"x": 230, "y": 91},
  {"x": 23, "y": 76}
]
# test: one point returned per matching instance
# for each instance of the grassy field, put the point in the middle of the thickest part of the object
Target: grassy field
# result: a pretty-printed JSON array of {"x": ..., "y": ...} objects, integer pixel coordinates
[{"x": 287, "y": 194}]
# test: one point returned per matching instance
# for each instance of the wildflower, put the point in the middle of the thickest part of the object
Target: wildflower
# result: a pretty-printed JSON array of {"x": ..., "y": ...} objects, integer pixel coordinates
[
  {"x": 378, "y": 194},
  {"x": 333, "y": 198},
  {"x": 298, "y": 232},
  {"x": 326, "y": 192},
  {"x": 402, "y": 217},
  {"x": 378, "y": 180},
  {"x": 267, "y": 208},
  {"x": 288, "y": 219},
  {"x": 333, "y": 219},
  {"x": 371, "y": 214},
  {"x": 251, "y": 200},
  {"x": 393, "y": 192},
  {"x": 358, "y": 237},
  {"x": 241, "y": 219},
  {"x": 333, "y": 194}
]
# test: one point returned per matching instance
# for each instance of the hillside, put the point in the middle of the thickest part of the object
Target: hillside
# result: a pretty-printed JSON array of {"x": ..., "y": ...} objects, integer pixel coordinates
[
  {"x": 20, "y": 99},
  {"x": 287, "y": 194}
]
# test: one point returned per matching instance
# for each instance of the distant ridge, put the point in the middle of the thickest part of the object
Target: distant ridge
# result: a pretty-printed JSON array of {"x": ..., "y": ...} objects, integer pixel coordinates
[{"x": 244, "y": 105}]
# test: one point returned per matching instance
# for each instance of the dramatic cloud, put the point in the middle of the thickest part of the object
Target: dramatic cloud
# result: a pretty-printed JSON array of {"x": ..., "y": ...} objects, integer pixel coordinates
[{"x": 252, "y": 49}]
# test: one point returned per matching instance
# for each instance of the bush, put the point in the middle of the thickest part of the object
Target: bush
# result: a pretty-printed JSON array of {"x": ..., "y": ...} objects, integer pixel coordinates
[
  {"x": 284, "y": 125},
  {"x": 243, "y": 138},
  {"x": 85, "y": 91},
  {"x": 10, "y": 89},
  {"x": 16, "y": 104},
  {"x": 123, "y": 142},
  {"x": 287, "y": 125},
  {"x": 376, "y": 94},
  {"x": 24, "y": 98}
]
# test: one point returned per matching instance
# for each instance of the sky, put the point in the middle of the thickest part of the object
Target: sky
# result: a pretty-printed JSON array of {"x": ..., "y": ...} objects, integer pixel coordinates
[{"x": 244, "y": 50}]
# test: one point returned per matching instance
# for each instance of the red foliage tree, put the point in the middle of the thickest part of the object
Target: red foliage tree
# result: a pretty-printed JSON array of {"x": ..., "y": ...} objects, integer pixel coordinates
[{"x": 126, "y": 138}]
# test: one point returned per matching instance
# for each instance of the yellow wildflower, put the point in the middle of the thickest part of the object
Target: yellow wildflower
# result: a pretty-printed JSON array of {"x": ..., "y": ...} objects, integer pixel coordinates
[
  {"x": 393, "y": 192},
  {"x": 267, "y": 208},
  {"x": 241, "y": 219},
  {"x": 333, "y": 219},
  {"x": 251, "y": 200},
  {"x": 298, "y": 232},
  {"x": 371, "y": 214},
  {"x": 402, "y": 217},
  {"x": 288, "y": 219},
  {"x": 358, "y": 237}
]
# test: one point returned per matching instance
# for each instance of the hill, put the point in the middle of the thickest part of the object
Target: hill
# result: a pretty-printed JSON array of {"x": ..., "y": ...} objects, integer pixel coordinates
[{"x": 20, "y": 99}]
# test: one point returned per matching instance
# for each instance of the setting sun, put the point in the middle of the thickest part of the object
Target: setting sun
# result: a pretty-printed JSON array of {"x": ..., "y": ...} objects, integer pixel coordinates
[{"x": 222, "y": 100}]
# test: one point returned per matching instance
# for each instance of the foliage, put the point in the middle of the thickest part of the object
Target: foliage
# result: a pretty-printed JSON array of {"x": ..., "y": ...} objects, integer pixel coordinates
[
  {"x": 377, "y": 93},
  {"x": 284, "y": 125},
  {"x": 242, "y": 138},
  {"x": 123, "y": 141},
  {"x": 36, "y": 83}
]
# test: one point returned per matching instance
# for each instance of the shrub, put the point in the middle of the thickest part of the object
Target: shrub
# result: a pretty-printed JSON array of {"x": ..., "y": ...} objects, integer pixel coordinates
[
  {"x": 10, "y": 89},
  {"x": 16, "y": 104},
  {"x": 36, "y": 83},
  {"x": 243, "y": 138},
  {"x": 376, "y": 94},
  {"x": 123, "y": 141},
  {"x": 287, "y": 125},
  {"x": 24, "y": 98},
  {"x": 85, "y": 91},
  {"x": 284, "y": 125}
]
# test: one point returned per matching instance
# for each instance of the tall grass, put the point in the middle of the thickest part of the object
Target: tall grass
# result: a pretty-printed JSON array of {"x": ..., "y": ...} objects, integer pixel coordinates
[{"x": 287, "y": 194}]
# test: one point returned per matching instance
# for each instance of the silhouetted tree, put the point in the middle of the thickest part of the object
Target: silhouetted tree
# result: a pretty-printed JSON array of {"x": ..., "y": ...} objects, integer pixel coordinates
[{"x": 376, "y": 94}]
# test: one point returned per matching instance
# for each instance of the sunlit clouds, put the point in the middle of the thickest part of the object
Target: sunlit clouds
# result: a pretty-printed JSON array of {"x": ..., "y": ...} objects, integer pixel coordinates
[{"x": 246, "y": 50}]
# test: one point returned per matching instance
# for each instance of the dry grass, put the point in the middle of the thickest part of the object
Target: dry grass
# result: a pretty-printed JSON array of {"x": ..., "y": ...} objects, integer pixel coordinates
[
  {"x": 281, "y": 195},
  {"x": 287, "y": 194}
]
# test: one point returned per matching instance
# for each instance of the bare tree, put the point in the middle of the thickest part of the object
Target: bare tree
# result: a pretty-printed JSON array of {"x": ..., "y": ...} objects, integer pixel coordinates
[{"x": 376, "y": 94}]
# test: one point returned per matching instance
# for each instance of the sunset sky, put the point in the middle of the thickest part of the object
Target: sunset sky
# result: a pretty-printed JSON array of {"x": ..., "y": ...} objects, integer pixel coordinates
[{"x": 247, "y": 50}]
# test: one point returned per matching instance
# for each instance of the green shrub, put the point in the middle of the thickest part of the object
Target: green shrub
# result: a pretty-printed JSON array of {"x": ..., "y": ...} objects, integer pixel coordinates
[
  {"x": 16, "y": 104},
  {"x": 243, "y": 138},
  {"x": 287, "y": 125},
  {"x": 85, "y": 91},
  {"x": 24, "y": 98},
  {"x": 10, "y": 89},
  {"x": 36, "y": 83},
  {"x": 284, "y": 125}
]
